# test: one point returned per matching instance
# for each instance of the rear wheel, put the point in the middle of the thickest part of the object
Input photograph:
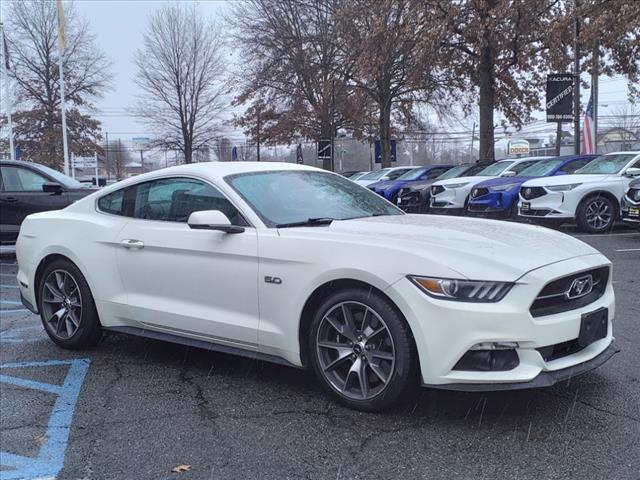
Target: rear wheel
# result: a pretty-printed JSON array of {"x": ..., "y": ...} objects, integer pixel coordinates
[
  {"x": 596, "y": 214},
  {"x": 67, "y": 308},
  {"x": 361, "y": 350}
]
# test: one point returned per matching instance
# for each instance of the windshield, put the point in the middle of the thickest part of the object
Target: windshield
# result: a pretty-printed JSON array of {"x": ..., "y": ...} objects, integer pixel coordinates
[
  {"x": 454, "y": 172},
  {"x": 412, "y": 174},
  {"x": 374, "y": 175},
  {"x": 288, "y": 196},
  {"x": 399, "y": 172},
  {"x": 542, "y": 168},
  {"x": 61, "y": 178},
  {"x": 606, "y": 164},
  {"x": 494, "y": 169}
]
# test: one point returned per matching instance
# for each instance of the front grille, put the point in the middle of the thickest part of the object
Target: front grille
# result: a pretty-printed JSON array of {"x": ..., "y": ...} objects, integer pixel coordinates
[
  {"x": 477, "y": 208},
  {"x": 559, "y": 296},
  {"x": 529, "y": 193},
  {"x": 479, "y": 192},
  {"x": 535, "y": 212},
  {"x": 410, "y": 197},
  {"x": 559, "y": 350},
  {"x": 437, "y": 189}
]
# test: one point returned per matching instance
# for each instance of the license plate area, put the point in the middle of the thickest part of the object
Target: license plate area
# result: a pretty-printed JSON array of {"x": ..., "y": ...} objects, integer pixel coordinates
[
  {"x": 634, "y": 212},
  {"x": 525, "y": 206},
  {"x": 593, "y": 326}
]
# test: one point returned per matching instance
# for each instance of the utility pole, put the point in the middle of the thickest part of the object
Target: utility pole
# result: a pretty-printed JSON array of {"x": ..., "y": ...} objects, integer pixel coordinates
[
  {"x": 7, "y": 98},
  {"x": 473, "y": 134},
  {"x": 333, "y": 125},
  {"x": 258, "y": 136},
  {"x": 558, "y": 138},
  {"x": 576, "y": 86},
  {"x": 141, "y": 161},
  {"x": 106, "y": 154},
  {"x": 595, "y": 72}
]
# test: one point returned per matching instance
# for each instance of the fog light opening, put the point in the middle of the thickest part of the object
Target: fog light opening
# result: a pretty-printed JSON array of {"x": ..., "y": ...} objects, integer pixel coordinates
[{"x": 495, "y": 346}]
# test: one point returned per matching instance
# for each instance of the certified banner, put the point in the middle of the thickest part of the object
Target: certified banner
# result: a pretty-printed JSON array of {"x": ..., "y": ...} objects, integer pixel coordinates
[{"x": 560, "y": 97}]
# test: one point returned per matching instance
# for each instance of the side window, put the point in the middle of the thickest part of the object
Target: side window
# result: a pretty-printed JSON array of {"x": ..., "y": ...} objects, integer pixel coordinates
[
  {"x": 174, "y": 199},
  {"x": 571, "y": 167},
  {"x": 19, "y": 179},
  {"x": 112, "y": 203}
]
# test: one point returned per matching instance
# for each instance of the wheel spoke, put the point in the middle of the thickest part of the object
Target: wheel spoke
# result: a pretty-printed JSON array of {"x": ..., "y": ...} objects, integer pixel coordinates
[
  {"x": 348, "y": 319},
  {"x": 342, "y": 356},
  {"x": 380, "y": 354},
  {"x": 376, "y": 332},
  {"x": 358, "y": 369},
  {"x": 60, "y": 278},
  {"x": 384, "y": 378},
  {"x": 57, "y": 294},
  {"x": 341, "y": 329},
  {"x": 69, "y": 325},
  {"x": 73, "y": 319}
]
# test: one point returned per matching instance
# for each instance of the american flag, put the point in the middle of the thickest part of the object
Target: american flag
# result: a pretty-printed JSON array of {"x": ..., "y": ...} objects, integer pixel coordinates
[{"x": 588, "y": 137}]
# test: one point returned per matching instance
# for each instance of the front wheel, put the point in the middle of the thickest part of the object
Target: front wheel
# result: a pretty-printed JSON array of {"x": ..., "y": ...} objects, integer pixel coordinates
[
  {"x": 596, "y": 214},
  {"x": 361, "y": 350},
  {"x": 67, "y": 308}
]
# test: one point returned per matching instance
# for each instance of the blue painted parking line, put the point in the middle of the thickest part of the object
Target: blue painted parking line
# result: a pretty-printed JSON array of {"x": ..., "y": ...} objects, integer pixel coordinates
[
  {"x": 8, "y": 275},
  {"x": 50, "y": 458},
  {"x": 9, "y": 302},
  {"x": 13, "y": 310},
  {"x": 8, "y": 286},
  {"x": 15, "y": 335}
]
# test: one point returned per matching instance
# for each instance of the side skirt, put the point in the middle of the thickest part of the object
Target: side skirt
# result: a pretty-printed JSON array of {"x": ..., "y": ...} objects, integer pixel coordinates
[{"x": 194, "y": 342}]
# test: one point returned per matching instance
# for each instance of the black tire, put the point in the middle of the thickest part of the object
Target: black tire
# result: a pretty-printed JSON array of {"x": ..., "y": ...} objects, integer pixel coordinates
[
  {"x": 86, "y": 330},
  {"x": 401, "y": 375},
  {"x": 590, "y": 222}
]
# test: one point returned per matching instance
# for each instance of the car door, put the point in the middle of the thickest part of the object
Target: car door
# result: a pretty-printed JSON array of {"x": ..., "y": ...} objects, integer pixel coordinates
[
  {"x": 22, "y": 195},
  {"x": 199, "y": 283}
]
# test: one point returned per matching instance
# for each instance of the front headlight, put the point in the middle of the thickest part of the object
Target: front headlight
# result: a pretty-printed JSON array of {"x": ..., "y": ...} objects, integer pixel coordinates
[
  {"x": 462, "y": 290},
  {"x": 506, "y": 186},
  {"x": 562, "y": 188},
  {"x": 455, "y": 185}
]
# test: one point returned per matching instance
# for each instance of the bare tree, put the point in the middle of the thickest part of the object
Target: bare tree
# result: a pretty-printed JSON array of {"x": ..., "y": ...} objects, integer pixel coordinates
[
  {"x": 180, "y": 74},
  {"x": 32, "y": 37},
  {"x": 291, "y": 76},
  {"x": 117, "y": 156},
  {"x": 391, "y": 51}
]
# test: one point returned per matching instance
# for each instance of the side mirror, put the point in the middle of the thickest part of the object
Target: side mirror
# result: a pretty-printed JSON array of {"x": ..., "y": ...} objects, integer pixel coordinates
[
  {"x": 52, "y": 187},
  {"x": 632, "y": 172},
  {"x": 212, "y": 220},
  {"x": 509, "y": 173},
  {"x": 559, "y": 172}
]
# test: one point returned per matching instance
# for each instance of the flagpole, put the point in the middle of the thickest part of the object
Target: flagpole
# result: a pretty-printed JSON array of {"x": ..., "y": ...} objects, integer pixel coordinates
[
  {"x": 61, "y": 48},
  {"x": 7, "y": 99}
]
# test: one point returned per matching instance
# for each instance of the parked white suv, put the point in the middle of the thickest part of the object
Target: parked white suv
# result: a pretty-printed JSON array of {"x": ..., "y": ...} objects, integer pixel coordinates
[
  {"x": 591, "y": 196},
  {"x": 383, "y": 174},
  {"x": 452, "y": 195}
]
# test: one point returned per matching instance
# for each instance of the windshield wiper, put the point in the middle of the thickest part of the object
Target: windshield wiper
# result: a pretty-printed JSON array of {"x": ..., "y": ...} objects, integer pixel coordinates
[{"x": 309, "y": 222}]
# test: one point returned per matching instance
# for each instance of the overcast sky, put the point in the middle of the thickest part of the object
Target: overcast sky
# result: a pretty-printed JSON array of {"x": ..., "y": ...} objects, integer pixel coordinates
[{"x": 119, "y": 25}]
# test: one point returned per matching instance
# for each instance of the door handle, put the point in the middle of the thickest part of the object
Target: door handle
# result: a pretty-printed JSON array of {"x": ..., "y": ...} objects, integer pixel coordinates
[
  {"x": 130, "y": 243},
  {"x": 9, "y": 199}
]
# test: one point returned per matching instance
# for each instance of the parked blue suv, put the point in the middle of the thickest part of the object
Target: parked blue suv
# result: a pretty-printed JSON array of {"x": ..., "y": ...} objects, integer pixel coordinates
[
  {"x": 498, "y": 197},
  {"x": 389, "y": 188}
]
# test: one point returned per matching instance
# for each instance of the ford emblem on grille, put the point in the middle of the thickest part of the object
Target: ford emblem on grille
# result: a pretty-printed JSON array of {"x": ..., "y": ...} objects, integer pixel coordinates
[{"x": 580, "y": 287}]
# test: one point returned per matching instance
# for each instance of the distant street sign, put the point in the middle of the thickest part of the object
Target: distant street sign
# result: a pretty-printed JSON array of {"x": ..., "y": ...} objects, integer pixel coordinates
[
  {"x": 324, "y": 149},
  {"x": 85, "y": 162},
  {"x": 378, "y": 151},
  {"x": 560, "y": 97},
  {"x": 140, "y": 143},
  {"x": 518, "y": 147}
]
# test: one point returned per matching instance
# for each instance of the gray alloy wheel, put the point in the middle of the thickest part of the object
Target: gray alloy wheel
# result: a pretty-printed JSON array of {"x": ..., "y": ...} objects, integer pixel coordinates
[
  {"x": 355, "y": 350},
  {"x": 599, "y": 213},
  {"x": 61, "y": 304}
]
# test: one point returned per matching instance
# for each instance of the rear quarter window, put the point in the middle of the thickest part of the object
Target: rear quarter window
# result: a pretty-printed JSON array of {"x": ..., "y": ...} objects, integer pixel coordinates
[{"x": 112, "y": 203}]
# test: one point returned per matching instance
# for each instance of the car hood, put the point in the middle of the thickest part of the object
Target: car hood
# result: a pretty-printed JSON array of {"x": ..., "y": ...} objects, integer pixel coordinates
[
  {"x": 477, "y": 249},
  {"x": 420, "y": 184},
  {"x": 382, "y": 185},
  {"x": 494, "y": 182},
  {"x": 568, "y": 179},
  {"x": 453, "y": 181}
]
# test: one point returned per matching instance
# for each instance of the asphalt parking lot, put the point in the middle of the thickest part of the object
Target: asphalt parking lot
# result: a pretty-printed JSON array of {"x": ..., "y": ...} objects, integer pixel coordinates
[{"x": 136, "y": 408}]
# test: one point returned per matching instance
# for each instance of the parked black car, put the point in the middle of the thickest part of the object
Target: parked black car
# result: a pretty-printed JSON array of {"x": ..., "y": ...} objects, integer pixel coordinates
[
  {"x": 27, "y": 188},
  {"x": 631, "y": 205},
  {"x": 414, "y": 198}
]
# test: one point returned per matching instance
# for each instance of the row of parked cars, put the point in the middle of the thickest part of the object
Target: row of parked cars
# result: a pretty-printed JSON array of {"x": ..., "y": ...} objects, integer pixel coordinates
[{"x": 592, "y": 191}]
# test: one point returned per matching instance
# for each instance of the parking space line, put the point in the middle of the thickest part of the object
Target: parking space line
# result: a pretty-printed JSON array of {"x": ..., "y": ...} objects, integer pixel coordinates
[
  {"x": 50, "y": 458},
  {"x": 8, "y": 275},
  {"x": 9, "y": 302},
  {"x": 8, "y": 286},
  {"x": 593, "y": 235},
  {"x": 13, "y": 310},
  {"x": 628, "y": 250}
]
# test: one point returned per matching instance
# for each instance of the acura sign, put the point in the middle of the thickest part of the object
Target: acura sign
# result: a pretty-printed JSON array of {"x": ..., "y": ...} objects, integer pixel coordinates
[{"x": 560, "y": 97}]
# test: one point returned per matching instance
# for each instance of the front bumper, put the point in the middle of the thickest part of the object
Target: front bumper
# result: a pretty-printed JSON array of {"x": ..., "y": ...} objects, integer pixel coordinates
[
  {"x": 413, "y": 202},
  {"x": 445, "y": 331},
  {"x": 494, "y": 204},
  {"x": 630, "y": 212},
  {"x": 553, "y": 205},
  {"x": 544, "y": 379}
]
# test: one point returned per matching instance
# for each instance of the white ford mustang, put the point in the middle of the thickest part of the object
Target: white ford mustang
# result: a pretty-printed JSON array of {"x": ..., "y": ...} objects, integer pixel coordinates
[{"x": 299, "y": 266}]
